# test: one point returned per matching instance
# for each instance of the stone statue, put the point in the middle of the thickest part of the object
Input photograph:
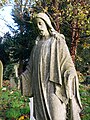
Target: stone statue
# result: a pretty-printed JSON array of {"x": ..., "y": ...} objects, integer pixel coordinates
[{"x": 50, "y": 76}]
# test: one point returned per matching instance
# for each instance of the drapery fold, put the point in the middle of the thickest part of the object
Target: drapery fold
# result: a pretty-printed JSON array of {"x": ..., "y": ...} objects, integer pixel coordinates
[{"x": 50, "y": 61}]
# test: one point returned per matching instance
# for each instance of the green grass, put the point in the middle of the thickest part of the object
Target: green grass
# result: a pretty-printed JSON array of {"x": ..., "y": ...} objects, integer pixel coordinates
[
  {"x": 85, "y": 98},
  {"x": 13, "y": 105}
]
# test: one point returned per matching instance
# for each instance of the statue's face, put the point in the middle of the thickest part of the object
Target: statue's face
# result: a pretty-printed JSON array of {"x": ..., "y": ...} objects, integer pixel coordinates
[{"x": 42, "y": 27}]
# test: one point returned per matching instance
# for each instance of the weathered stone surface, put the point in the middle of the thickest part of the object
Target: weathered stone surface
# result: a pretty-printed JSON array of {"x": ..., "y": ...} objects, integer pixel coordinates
[
  {"x": 1, "y": 73},
  {"x": 50, "y": 76}
]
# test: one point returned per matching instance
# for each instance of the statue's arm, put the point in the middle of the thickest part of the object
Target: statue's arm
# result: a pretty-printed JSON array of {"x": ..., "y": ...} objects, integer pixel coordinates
[
  {"x": 26, "y": 79},
  {"x": 68, "y": 72}
]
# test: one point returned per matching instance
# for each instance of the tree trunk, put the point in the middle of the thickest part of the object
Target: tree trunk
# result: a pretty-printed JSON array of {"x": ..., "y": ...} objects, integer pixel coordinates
[
  {"x": 55, "y": 3},
  {"x": 75, "y": 33},
  {"x": 75, "y": 39},
  {"x": 20, "y": 69},
  {"x": 56, "y": 15}
]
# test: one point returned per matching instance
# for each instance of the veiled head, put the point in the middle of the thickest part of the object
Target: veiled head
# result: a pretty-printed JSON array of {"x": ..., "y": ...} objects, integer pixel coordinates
[
  {"x": 44, "y": 24},
  {"x": 42, "y": 27}
]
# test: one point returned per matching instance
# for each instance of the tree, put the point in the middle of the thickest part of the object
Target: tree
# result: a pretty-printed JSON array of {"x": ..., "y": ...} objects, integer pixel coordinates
[
  {"x": 3, "y": 56},
  {"x": 17, "y": 48},
  {"x": 24, "y": 37},
  {"x": 70, "y": 18},
  {"x": 4, "y": 2},
  {"x": 73, "y": 20},
  {"x": 79, "y": 9}
]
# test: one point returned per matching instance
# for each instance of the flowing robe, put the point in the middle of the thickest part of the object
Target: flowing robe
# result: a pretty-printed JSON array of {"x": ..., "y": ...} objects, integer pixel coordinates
[{"x": 51, "y": 78}]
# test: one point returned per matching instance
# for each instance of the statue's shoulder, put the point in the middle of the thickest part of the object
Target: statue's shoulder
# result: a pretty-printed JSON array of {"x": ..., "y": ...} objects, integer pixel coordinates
[
  {"x": 58, "y": 36},
  {"x": 62, "y": 36}
]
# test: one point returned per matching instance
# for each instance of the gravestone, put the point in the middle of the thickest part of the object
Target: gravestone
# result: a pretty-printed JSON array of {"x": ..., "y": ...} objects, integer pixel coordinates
[
  {"x": 1, "y": 73},
  {"x": 14, "y": 80}
]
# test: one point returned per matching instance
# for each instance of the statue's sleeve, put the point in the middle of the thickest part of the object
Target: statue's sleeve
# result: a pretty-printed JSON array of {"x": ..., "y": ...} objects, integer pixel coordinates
[
  {"x": 26, "y": 79},
  {"x": 68, "y": 71}
]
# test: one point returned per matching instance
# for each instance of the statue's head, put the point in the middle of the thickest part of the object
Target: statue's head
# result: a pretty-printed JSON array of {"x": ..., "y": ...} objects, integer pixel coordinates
[{"x": 44, "y": 24}]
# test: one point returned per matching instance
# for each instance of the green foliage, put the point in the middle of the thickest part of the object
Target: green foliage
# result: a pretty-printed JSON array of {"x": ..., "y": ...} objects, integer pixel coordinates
[
  {"x": 19, "y": 46},
  {"x": 85, "y": 98},
  {"x": 4, "y": 2},
  {"x": 24, "y": 110},
  {"x": 9, "y": 71},
  {"x": 81, "y": 77},
  {"x": 3, "y": 56},
  {"x": 82, "y": 58},
  {"x": 12, "y": 113},
  {"x": 13, "y": 105}
]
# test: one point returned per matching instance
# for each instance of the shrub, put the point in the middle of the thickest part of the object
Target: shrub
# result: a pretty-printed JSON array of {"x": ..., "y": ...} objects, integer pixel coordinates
[{"x": 13, "y": 105}]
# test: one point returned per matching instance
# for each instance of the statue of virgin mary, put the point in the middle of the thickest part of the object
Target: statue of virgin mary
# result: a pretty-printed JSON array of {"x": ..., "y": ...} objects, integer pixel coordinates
[{"x": 50, "y": 76}]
